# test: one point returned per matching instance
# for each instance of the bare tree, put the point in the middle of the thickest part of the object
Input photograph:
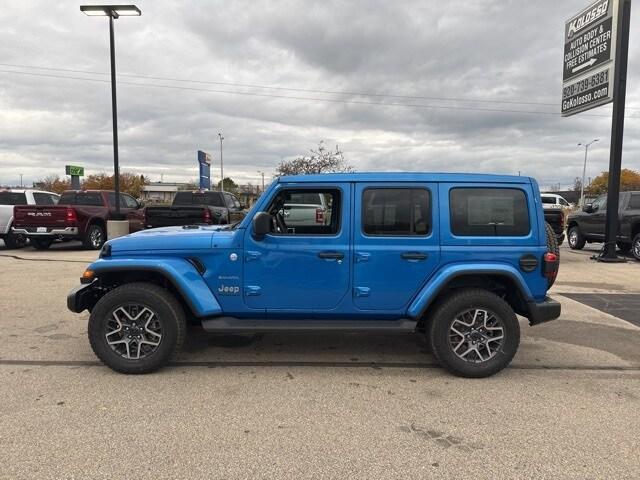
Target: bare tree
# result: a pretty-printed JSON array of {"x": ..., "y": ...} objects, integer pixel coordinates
[{"x": 321, "y": 160}]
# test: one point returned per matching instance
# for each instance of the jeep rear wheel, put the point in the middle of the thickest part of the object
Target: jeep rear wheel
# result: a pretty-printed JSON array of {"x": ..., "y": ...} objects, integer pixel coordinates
[
  {"x": 474, "y": 333},
  {"x": 136, "y": 328},
  {"x": 576, "y": 240}
]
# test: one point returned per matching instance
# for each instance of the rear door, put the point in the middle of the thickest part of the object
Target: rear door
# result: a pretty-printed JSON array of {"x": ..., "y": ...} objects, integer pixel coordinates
[{"x": 396, "y": 243}]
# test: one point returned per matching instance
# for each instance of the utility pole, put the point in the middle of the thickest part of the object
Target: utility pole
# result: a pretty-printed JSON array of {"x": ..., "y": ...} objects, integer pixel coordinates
[
  {"x": 584, "y": 167},
  {"x": 221, "y": 164}
]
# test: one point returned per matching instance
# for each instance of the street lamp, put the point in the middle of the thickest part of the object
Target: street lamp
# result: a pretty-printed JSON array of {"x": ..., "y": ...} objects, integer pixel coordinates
[
  {"x": 584, "y": 167},
  {"x": 113, "y": 12},
  {"x": 262, "y": 173},
  {"x": 221, "y": 167}
]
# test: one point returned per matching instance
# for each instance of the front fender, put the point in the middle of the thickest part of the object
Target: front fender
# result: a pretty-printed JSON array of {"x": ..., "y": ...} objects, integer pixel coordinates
[
  {"x": 180, "y": 272},
  {"x": 440, "y": 280}
]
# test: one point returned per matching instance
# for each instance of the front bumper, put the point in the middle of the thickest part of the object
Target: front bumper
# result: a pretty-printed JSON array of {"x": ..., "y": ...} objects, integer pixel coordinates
[
  {"x": 82, "y": 297},
  {"x": 540, "y": 312},
  {"x": 32, "y": 232}
]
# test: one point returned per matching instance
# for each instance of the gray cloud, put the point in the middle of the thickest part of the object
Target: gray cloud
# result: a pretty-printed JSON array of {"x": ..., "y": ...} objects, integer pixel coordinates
[{"x": 484, "y": 50}]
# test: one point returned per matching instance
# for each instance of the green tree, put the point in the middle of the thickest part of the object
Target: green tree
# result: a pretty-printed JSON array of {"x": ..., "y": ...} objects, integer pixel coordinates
[
  {"x": 229, "y": 185},
  {"x": 629, "y": 180},
  {"x": 321, "y": 160}
]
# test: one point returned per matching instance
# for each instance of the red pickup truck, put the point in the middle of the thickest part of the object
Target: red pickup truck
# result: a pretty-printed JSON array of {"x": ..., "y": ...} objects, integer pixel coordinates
[{"x": 79, "y": 215}]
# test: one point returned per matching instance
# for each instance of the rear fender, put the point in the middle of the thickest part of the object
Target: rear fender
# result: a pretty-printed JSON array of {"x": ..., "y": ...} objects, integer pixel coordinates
[
  {"x": 439, "y": 282},
  {"x": 180, "y": 272}
]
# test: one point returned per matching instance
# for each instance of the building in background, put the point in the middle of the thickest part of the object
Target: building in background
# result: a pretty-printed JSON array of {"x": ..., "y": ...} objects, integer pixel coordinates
[{"x": 162, "y": 192}]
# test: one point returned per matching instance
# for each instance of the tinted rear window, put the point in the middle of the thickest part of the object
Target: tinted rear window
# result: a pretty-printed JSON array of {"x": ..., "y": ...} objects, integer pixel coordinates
[
  {"x": 304, "y": 199},
  {"x": 91, "y": 199},
  {"x": 212, "y": 199},
  {"x": 396, "y": 211},
  {"x": 488, "y": 212},
  {"x": 12, "y": 198}
]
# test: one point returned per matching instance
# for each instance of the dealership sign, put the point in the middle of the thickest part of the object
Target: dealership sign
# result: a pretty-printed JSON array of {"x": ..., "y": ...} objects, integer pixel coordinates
[
  {"x": 74, "y": 170},
  {"x": 589, "y": 53},
  {"x": 204, "y": 164}
]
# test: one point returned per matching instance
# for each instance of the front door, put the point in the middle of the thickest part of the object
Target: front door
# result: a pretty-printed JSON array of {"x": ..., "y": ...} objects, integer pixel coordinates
[
  {"x": 396, "y": 243},
  {"x": 302, "y": 268},
  {"x": 594, "y": 223}
]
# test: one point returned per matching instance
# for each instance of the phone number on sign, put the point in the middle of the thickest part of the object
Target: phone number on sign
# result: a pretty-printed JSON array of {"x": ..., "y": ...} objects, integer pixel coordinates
[{"x": 586, "y": 84}]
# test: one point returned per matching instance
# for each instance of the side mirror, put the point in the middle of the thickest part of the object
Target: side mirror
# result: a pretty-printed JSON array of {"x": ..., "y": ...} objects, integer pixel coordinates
[
  {"x": 261, "y": 225},
  {"x": 140, "y": 204},
  {"x": 588, "y": 208}
]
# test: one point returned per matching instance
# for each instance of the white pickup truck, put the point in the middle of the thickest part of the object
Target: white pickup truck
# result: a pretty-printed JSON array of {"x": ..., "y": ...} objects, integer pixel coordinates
[{"x": 12, "y": 197}]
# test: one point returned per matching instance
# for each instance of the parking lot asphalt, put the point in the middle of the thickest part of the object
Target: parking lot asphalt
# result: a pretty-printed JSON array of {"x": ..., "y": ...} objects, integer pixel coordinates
[{"x": 320, "y": 406}]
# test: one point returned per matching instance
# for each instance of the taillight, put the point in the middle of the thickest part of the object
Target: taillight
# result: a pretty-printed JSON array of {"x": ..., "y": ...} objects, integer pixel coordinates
[
  {"x": 206, "y": 216},
  {"x": 71, "y": 215},
  {"x": 551, "y": 264},
  {"x": 319, "y": 215}
]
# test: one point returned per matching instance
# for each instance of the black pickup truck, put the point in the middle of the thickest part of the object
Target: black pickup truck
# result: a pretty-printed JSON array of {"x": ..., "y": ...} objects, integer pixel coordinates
[
  {"x": 589, "y": 224},
  {"x": 196, "y": 208}
]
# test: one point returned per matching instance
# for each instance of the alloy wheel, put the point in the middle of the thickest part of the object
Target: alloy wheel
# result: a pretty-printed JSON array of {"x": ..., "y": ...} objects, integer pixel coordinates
[
  {"x": 476, "y": 335},
  {"x": 133, "y": 331}
]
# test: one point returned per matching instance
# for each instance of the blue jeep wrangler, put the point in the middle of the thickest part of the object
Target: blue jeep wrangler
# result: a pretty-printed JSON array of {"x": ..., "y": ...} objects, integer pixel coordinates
[{"x": 452, "y": 256}]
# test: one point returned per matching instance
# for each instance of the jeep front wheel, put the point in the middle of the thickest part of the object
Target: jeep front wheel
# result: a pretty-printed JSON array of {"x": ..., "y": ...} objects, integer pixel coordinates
[
  {"x": 136, "y": 328},
  {"x": 474, "y": 333}
]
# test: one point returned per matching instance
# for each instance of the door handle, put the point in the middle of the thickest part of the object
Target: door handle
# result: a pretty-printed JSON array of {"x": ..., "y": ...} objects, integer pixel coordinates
[
  {"x": 414, "y": 256},
  {"x": 331, "y": 255}
]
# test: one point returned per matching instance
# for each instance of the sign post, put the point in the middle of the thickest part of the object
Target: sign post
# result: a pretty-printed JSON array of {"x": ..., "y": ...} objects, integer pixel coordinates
[
  {"x": 595, "y": 73},
  {"x": 75, "y": 172}
]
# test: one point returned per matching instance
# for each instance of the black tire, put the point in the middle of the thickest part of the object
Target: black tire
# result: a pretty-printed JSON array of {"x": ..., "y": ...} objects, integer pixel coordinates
[
  {"x": 552, "y": 246},
  {"x": 575, "y": 238},
  {"x": 446, "y": 314},
  {"x": 94, "y": 238},
  {"x": 624, "y": 247},
  {"x": 168, "y": 313},
  {"x": 11, "y": 240},
  {"x": 635, "y": 247},
  {"x": 41, "y": 243}
]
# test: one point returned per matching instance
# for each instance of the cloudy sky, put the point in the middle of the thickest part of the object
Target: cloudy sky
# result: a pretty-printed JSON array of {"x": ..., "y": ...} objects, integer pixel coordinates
[{"x": 476, "y": 87}]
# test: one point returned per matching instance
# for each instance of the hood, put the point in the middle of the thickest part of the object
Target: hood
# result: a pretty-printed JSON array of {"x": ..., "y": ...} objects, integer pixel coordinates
[{"x": 171, "y": 238}]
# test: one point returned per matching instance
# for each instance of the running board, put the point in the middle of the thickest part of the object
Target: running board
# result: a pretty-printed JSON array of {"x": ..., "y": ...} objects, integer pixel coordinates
[{"x": 232, "y": 324}]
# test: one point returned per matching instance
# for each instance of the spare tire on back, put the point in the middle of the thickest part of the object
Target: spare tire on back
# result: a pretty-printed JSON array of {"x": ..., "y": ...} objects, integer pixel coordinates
[{"x": 552, "y": 246}]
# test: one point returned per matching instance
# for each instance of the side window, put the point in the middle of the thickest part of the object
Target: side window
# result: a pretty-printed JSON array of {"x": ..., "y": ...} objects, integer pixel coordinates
[
  {"x": 128, "y": 201},
  {"x": 43, "y": 198},
  {"x": 396, "y": 211},
  {"x": 228, "y": 200},
  {"x": 600, "y": 203},
  {"x": 488, "y": 212},
  {"x": 236, "y": 202},
  {"x": 292, "y": 217},
  {"x": 634, "y": 202}
]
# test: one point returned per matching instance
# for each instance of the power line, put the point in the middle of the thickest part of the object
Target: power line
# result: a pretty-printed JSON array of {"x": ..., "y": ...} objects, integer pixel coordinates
[
  {"x": 292, "y": 89},
  {"x": 291, "y": 97}
]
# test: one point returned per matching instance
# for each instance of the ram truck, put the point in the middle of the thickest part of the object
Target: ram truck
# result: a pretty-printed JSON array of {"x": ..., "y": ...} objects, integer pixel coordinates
[
  {"x": 196, "y": 208},
  {"x": 588, "y": 225},
  {"x": 8, "y": 200},
  {"x": 79, "y": 215},
  {"x": 453, "y": 257}
]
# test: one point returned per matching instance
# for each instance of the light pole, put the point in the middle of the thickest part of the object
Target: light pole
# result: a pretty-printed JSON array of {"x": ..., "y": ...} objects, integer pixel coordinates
[
  {"x": 221, "y": 164},
  {"x": 113, "y": 12},
  {"x": 584, "y": 167},
  {"x": 262, "y": 173}
]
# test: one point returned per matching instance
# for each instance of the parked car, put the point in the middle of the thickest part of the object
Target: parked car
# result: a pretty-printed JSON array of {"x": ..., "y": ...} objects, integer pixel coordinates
[
  {"x": 588, "y": 225},
  {"x": 453, "y": 256},
  {"x": 11, "y": 197},
  {"x": 196, "y": 208},
  {"x": 554, "y": 215},
  {"x": 305, "y": 209},
  {"x": 79, "y": 215}
]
